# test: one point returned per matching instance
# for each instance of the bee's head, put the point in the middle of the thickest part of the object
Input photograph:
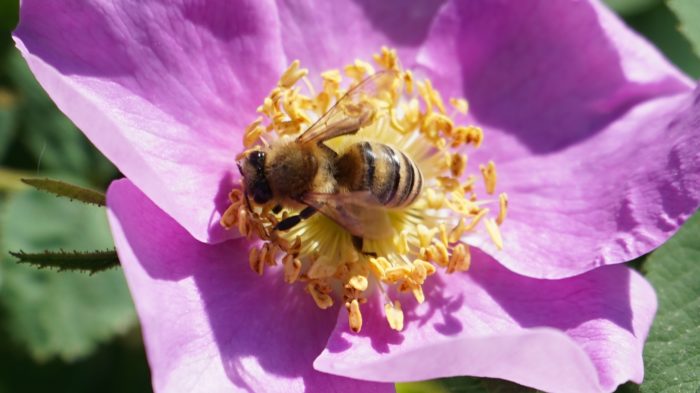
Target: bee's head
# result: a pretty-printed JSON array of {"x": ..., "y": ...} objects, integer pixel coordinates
[{"x": 252, "y": 168}]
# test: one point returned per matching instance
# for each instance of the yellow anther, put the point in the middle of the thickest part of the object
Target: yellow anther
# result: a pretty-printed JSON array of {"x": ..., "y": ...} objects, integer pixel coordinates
[
  {"x": 467, "y": 135},
  {"x": 292, "y": 268},
  {"x": 502, "y": 208},
  {"x": 378, "y": 267},
  {"x": 268, "y": 253},
  {"x": 244, "y": 226},
  {"x": 418, "y": 294},
  {"x": 292, "y": 74},
  {"x": 494, "y": 232},
  {"x": 358, "y": 282},
  {"x": 457, "y": 232},
  {"x": 460, "y": 260},
  {"x": 443, "y": 234},
  {"x": 408, "y": 82},
  {"x": 359, "y": 70},
  {"x": 394, "y": 315},
  {"x": 268, "y": 107},
  {"x": 425, "y": 235},
  {"x": 437, "y": 124},
  {"x": 354, "y": 315},
  {"x": 319, "y": 292},
  {"x": 460, "y": 105},
  {"x": 254, "y": 261},
  {"x": 442, "y": 257},
  {"x": 332, "y": 76},
  {"x": 489, "y": 174},
  {"x": 323, "y": 267},
  {"x": 458, "y": 163},
  {"x": 396, "y": 273},
  {"x": 230, "y": 217},
  {"x": 448, "y": 183},
  {"x": 435, "y": 199},
  {"x": 386, "y": 59}
]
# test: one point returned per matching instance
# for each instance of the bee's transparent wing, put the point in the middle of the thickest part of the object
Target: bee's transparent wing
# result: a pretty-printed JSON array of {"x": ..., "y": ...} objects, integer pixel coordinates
[
  {"x": 358, "y": 212},
  {"x": 351, "y": 112}
]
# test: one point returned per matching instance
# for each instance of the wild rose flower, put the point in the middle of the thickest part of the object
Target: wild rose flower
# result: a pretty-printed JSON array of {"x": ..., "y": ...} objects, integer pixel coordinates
[{"x": 594, "y": 135}]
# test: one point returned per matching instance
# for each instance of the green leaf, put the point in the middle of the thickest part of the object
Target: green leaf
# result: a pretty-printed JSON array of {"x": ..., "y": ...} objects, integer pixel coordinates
[
  {"x": 48, "y": 139},
  {"x": 631, "y": 7},
  {"x": 59, "y": 314},
  {"x": 672, "y": 352},
  {"x": 463, "y": 385},
  {"x": 7, "y": 119},
  {"x": 660, "y": 26},
  {"x": 68, "y": 190},
  {"x": 688, "y": 12},
  {"x": 81, "y": 261}
]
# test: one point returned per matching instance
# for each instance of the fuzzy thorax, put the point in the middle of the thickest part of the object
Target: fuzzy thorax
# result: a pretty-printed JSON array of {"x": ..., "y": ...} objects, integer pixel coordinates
[{"x": 410, "y": 116}]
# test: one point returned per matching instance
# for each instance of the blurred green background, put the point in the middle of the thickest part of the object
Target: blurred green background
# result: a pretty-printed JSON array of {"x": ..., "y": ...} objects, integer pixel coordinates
[{"x": 70, "y": 332}]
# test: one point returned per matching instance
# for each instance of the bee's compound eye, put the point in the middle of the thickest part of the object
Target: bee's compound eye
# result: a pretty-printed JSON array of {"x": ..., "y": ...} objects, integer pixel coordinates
[{"x": 257, "y": 158}]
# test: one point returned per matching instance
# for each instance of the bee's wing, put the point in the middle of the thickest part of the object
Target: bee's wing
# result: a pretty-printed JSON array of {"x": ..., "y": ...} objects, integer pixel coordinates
[
  {"x": 358, "y": 212},
  {"x": 351, "y": 112}
]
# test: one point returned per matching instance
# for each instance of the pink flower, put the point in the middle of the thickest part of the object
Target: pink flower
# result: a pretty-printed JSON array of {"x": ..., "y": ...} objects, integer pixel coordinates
[{"x": 595, "y": 134}]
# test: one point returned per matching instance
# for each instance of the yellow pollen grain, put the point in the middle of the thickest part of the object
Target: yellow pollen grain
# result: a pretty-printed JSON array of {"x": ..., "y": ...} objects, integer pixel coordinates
[
  {"x": 292, "y": 74},
  {"x": 502, "y": 208},
  {"x": 394, "y": 315},
  {"x": 494, "y": 232},
  {"x": 354, "y": 315},
  {"x": 488, "y": 172}
]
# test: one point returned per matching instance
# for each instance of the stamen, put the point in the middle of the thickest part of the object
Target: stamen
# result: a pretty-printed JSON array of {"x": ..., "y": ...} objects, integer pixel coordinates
[
  {"x": 502, "y": 208},
  {"x": 292, "y": 74},
  {"x": 489, "y": 174},
  {"x": 354, "y": 315},
  {"x": 410, "y": 116},
  {"x": 394, "y": 315},
  {"x": 494, "y": 232},
  {"x": 460, "y": 105}
]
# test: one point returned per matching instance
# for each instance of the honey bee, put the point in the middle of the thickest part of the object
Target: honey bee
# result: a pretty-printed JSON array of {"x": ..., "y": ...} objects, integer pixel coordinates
[{"x": 353, "y": 187}]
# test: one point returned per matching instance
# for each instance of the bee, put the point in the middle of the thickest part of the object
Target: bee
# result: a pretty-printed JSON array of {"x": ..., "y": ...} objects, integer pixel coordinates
[{"x": 353, "y": 187}]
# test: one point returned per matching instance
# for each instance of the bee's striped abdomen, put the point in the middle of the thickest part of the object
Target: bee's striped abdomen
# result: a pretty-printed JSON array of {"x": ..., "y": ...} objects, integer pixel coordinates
[{"x": 389, "y": 174}]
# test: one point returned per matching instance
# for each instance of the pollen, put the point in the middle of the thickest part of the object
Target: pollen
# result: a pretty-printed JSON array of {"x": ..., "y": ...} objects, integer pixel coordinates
[{"x": 318, "y": 253}]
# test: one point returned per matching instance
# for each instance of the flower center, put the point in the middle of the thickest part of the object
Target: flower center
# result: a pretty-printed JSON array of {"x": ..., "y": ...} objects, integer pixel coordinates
[{"x": 359, "y": 242}]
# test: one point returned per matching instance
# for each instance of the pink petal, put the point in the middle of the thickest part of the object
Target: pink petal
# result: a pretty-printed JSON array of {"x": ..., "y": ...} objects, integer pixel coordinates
[
  {"x": 609, "y": 199},
  {"x": 209, "y": 323},
  {"x": 599, "y": 167},
  {"x": 579, "y": 334},
  {"x": 330, "y": 34},
  {"x": 163, "y": 90}
]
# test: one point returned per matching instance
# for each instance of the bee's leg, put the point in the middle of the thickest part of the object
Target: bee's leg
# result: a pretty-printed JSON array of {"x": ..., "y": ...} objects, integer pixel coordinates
[
  {"x": 358, "y": 242},
  {"x": 291, "y": 221}
]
